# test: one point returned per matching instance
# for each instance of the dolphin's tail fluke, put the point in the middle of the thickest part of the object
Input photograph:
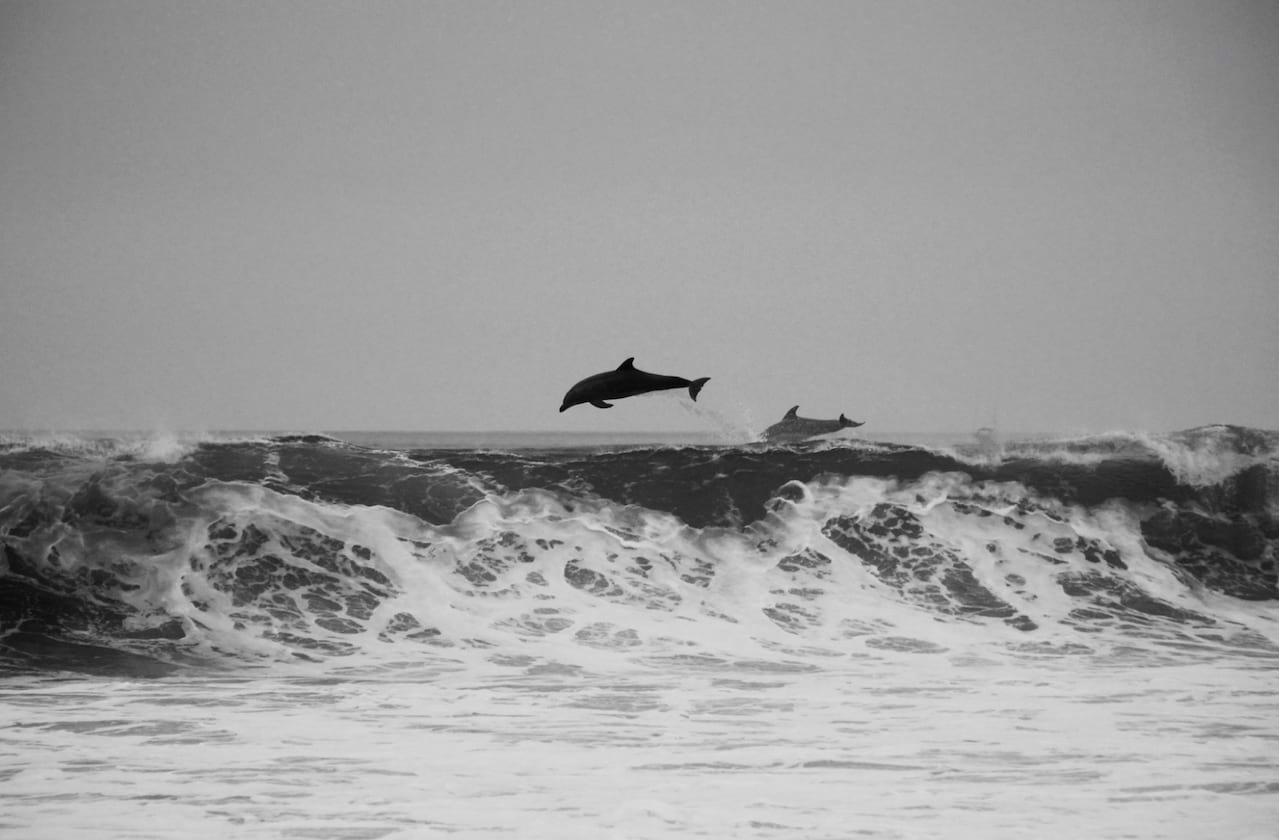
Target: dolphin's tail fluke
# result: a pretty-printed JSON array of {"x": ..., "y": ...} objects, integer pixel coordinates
[{"x": 695, "y": 387}]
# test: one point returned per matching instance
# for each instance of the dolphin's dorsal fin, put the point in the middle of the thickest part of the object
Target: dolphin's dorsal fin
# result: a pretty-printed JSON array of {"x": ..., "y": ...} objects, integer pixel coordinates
[
  {"x": 842, "y": 418},
  {"x": 791, "y": 413},
  {"x": 629, "y": 364}
]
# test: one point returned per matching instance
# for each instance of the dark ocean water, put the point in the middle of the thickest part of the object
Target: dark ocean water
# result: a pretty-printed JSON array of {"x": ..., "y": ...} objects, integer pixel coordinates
[{"x": 460, "y": 620}]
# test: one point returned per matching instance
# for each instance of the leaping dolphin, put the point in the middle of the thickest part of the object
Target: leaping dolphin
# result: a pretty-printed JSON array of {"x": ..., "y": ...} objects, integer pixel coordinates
[
  {"x": 626, "y": 381},
  {"x": 793, "y": 427}
]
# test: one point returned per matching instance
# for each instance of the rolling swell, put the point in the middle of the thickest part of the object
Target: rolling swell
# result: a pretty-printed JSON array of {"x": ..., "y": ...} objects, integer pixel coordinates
[{"x": 316, "y": 548}]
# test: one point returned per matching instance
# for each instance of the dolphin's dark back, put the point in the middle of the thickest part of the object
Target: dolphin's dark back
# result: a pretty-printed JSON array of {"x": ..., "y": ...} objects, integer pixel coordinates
[
  {"x": 626, "y": 381},
  {"x": 793, "y": 427}
]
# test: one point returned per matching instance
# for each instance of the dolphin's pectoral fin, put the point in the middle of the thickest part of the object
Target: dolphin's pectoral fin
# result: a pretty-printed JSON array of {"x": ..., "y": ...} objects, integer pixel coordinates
[
  {"x": 601, "y": 404},
  {"x": 629, "y": 364}
]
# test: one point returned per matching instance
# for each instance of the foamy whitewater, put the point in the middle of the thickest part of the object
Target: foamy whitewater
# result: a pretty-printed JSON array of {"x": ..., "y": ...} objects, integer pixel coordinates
[{"x": 408, "y": 636}]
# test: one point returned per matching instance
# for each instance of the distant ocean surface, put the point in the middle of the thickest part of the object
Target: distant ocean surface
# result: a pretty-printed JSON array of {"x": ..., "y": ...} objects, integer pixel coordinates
[{"x": 403, "y": 635}]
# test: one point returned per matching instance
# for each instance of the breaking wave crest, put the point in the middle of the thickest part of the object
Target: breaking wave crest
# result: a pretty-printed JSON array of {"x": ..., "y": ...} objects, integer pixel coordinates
[{"x": 304, "y": 548}]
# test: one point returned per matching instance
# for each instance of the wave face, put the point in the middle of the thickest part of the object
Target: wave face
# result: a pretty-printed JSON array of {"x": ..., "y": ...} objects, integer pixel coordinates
[{"x": 145, "y": 558}]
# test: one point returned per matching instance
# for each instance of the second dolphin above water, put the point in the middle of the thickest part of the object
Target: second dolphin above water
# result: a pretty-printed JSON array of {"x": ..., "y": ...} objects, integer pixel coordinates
[
  {"x": 792, "y": 427},
  {"x": 626, "y": 381}
]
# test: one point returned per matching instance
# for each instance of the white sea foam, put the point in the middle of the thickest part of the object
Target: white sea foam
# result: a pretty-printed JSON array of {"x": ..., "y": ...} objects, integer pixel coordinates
[
  {"x": 886, "y": 743},
  {"x": 579, "y": 667}
]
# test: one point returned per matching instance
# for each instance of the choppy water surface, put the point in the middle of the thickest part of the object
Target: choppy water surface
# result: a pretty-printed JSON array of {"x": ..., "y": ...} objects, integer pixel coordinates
[
  {"x": 925, "y": 743},
  {"x": 310, "y": 638}
]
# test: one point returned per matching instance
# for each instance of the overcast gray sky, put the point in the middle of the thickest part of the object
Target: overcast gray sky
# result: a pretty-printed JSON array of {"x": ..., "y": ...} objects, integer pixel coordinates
[{"x": 440, "y": 215}]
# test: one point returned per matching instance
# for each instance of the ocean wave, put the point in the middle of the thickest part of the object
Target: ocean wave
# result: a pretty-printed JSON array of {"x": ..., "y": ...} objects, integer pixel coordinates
[
  {"x": 157, "y": 446},
  {"x": 308, "y": 547}
]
